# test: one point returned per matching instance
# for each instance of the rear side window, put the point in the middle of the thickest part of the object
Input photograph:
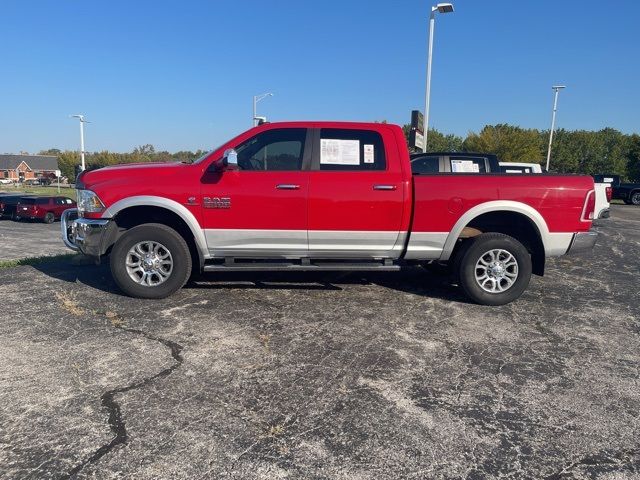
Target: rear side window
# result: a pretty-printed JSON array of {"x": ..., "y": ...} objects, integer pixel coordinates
[
  {"x": 463, "y": 164},
  {"x": 425, "y": 165},
  {"x": 351, "y": 150}
]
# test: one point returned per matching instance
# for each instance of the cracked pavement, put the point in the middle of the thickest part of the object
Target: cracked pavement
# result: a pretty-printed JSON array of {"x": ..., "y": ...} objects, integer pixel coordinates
[{"x": 261, "y": 376}]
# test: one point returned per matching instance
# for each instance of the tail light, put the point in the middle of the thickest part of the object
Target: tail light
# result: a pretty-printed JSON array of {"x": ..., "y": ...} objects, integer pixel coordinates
[
  {"x": 588, "y": 211},
  {"x": 609, "y": 191}
]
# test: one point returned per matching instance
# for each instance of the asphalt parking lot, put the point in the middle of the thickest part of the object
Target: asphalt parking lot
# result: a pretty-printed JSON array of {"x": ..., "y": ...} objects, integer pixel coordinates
[
  {"x": 325, "y": 376},
  {"x": 29, "y": 239}
]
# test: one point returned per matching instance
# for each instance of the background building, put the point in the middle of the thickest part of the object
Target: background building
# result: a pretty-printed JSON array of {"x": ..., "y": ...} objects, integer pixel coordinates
[{"x": 23, "y": 167}]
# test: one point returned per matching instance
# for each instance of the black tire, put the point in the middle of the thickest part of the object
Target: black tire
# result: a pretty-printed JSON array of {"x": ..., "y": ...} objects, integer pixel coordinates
[
  {"x": 635, "y": 198},
  {"x": 169, "y": 240},
  {"x": 49, "y": 218},
  {"x": 469, "y": 256}
]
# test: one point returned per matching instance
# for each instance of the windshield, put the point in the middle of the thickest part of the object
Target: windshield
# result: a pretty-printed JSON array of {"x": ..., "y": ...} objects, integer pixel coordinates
[{"x": 198, "y": 160}]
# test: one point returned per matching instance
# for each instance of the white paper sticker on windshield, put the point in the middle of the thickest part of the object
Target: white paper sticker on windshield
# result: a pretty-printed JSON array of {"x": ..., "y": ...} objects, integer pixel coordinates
[
  {"x": 368, "y": 153},
  {"x": 339, "y": 152}
]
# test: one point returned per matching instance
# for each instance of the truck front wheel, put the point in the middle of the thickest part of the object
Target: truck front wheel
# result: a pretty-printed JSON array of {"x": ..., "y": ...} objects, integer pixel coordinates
[
  {"x": 150, "y": 261},
  {"x": 493, "y": 269}
]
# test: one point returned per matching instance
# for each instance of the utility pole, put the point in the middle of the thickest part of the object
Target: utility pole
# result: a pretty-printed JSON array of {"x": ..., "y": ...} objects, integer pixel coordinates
[
  {"x": 82, "y": 122},
  {"x": 256, "y": 99},
  {"x": 557, "y": 89},
  {"x": 441, "y": 8}
]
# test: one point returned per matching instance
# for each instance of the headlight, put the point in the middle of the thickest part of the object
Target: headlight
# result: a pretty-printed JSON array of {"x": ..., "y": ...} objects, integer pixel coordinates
[{"x": 88, "y": 202}]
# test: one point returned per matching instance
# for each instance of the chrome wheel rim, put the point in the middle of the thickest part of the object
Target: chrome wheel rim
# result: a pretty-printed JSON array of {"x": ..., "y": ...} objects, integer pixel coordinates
[
  {"x": 496, "y": 271},
  {"x": 149, "y": 263},
  {"x": 635, "y": 199}
]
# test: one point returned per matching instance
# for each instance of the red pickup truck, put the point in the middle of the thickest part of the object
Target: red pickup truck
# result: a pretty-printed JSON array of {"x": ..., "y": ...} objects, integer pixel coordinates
[{"x": 324, "y": 196}]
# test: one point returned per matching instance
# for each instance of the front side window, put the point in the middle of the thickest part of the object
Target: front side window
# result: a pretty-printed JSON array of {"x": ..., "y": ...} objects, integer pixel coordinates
[
  {"x": 279, "y": 149},
  {"x": 351, "y": 150}
]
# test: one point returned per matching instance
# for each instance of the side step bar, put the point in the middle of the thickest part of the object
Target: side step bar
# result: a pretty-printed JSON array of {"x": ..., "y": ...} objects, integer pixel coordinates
[{"x": 297, "y": 267}]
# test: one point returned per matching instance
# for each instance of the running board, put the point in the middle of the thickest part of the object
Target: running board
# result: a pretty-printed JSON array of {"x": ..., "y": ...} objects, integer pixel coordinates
[{"x": 296, "y": 267}]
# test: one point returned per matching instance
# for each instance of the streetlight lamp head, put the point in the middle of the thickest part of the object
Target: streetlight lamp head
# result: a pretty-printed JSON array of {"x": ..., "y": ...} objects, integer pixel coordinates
[
  {"x": 558, "y": 87},
  {"x": 445, "y": 7}
]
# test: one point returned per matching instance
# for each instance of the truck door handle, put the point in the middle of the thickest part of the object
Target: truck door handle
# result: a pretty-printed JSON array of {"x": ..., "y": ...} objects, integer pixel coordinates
[
  {"x": 287, "y": 186},
  {"x": 384, "y": 187}
]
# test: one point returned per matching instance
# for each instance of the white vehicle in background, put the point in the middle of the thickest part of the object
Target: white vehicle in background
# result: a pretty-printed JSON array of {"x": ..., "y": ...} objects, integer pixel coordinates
[
  {"x": 5, "y": 181},
  {"x": 603, "y": 197},
  {"x": 518, "y": 167}
]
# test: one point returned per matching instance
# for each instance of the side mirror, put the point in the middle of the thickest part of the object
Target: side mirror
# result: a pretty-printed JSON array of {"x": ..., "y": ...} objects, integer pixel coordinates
[{"x": 230, "y": 157}]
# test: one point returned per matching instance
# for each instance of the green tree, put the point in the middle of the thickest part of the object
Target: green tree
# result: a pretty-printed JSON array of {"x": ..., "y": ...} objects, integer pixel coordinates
[
  {"x": 508, "y": 142},
  {"x": 633, "y": 159},
  {"x": 437, "y": 141}
]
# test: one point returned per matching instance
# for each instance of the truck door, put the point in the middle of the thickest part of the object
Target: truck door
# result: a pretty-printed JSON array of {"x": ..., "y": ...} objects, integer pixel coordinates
[
  {"x": 356, "y": 196},
  {"x": 260, "y": 208}
]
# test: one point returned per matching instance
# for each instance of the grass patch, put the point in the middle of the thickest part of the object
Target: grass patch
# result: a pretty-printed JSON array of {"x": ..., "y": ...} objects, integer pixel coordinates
[
  {"x": 38, "y": 190},
  {"x": 36, "y": 260}
]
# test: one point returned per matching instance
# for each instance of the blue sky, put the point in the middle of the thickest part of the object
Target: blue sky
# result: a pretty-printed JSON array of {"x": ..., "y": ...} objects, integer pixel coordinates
[{"x": 181, "y": 74}]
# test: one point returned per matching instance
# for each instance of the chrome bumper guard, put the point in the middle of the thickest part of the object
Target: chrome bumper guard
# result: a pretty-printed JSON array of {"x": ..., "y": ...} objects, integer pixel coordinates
[
  {"x": 582, "y": 242},
  {"x": 82, "y": 234}
]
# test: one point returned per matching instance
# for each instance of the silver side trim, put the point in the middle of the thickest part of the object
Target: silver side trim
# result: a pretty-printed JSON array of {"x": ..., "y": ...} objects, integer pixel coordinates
[
  {"x": 557, "y": 244},
  {"x": 425, "y": 245},
  {"x": 352, "y": 240},
  {"x": 230, "y": 242},
  {"x": 300, "y": 243},
  {"x": 177, "y": 208}
]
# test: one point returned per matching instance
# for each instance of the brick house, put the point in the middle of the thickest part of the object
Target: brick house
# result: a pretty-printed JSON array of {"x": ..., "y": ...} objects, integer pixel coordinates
[{"x": 23, "y": 167}]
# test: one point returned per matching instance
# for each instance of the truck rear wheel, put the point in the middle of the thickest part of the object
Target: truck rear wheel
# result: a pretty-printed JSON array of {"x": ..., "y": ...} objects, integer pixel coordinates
[
  {"x": 635, "y": 198},
  {"x": 493, "y": 269},
  {"x": 150, "y": 261}
]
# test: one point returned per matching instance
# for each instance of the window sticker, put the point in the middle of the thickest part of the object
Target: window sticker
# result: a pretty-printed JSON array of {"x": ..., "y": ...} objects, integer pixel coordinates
[
  {"x": 339, "y": 152},
  {"x": 462, "y": 166},
  {"x": 368, "y": 153}
]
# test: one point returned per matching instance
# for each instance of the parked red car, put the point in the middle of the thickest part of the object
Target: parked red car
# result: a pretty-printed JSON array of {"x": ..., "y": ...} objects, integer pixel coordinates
[
  {"x": 325, "y": 196},
  {"x": 47, "y": 209}
]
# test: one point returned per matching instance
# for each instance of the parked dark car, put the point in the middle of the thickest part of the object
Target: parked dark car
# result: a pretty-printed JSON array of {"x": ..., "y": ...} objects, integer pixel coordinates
[
  {"x": 627, "y": 192},
  {"x": 47, "y": 209},
  {"x": 8, "y": 204},
  {"x": 453, "y": 162}
]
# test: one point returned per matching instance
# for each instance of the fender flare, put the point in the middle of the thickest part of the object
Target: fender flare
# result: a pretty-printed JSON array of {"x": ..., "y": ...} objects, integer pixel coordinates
[
  {"x": 168, "y": 204},
  {"x": 496, "y": 206}
]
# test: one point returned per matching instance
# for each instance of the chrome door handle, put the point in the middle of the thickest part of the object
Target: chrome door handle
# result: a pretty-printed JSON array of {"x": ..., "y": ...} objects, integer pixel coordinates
[
  {"x": 384, "y": 187},
  {"x": 287, "y": 186}
]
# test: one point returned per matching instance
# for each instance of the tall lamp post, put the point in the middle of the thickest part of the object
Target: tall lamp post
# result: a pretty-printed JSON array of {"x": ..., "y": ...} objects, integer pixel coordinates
[
  {"x": 256, "y": 99},
  {"x": 82, "y": 122},
  {"x": 440, "y": 8},
  {"x": 557, "y": 89}
]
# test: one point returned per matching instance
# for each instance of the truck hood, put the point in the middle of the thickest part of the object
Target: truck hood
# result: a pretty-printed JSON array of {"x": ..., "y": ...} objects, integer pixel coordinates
[{"x": 129, "y": 172}]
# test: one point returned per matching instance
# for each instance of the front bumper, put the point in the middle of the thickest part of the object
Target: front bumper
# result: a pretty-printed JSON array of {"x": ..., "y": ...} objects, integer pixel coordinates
[
  {"x": 582, "y": 242},
  {"x": 83, "y": 234}
]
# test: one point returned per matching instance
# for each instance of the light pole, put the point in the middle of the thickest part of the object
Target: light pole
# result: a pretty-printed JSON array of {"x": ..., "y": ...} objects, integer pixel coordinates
[
  {"x": 441, "y": 8},
  {"x": 82, "y": 122},
  {"x": 557, "y": 89},
  {"x": 256, "y": 99}
]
